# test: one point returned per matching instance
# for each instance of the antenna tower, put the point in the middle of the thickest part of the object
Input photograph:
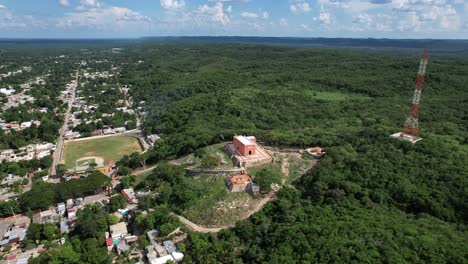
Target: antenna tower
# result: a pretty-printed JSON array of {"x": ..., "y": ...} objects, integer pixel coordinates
[{"x": 411, "y": 127}]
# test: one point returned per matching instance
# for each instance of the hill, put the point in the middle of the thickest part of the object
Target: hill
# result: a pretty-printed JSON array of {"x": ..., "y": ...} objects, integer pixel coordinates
[{"x": 372, "y": 199}]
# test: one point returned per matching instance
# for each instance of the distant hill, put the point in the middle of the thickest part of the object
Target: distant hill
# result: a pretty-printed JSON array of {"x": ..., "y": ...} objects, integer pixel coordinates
[
  {"x": 433, "y": 44},
  {"x": 452, "y": 45}
]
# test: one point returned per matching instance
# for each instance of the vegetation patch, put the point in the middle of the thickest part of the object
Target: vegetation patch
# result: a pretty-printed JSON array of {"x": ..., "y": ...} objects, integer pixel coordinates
[
  {"x": 217, "y": 206},
  {"x": 334, "y": 96}
]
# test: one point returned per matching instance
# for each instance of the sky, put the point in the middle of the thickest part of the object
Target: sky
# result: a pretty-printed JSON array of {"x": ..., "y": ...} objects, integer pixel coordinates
[{"x": 286, "y": 18}]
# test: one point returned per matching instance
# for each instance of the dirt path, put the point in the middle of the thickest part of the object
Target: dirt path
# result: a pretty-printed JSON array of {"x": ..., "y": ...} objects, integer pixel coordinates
[
  {"x": 96, "y": 159},
  {"x": 138, "y": 172},
  {"x": 285, "y": 167},
  {"x": 203, "y": 229}
]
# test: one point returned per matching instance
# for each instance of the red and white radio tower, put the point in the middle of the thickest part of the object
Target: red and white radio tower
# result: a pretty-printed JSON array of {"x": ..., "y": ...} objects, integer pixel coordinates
[{"x": 411, "y": 129}]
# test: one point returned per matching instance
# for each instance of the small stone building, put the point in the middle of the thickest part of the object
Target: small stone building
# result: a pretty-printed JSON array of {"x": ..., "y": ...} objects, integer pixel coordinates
[
  {"x": 245, "y": 145},
  {"x": 238, "y": 183}
]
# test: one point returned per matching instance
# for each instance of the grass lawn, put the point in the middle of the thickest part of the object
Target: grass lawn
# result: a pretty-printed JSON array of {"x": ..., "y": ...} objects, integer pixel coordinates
[{"x": 111, "y": 149}]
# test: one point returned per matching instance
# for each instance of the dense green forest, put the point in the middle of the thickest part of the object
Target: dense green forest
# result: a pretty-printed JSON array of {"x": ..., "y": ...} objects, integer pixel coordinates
[{"x": 372, "y": 198}]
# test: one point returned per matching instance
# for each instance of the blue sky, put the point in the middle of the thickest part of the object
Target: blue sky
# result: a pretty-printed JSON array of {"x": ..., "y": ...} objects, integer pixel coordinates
[{"x": 296, "y": 18}]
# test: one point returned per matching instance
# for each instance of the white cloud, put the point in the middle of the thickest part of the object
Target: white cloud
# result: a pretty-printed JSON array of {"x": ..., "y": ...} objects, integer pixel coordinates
[
  {"x": 229, "y": 9},
  {"x": 299, "y": 6},
  {"x": 264, "y": 15},
  {"x": 172, "y": 5},
  {"x": 243, "y": 1},
  {"x": 10, "y": 20},
  {"x": 112, "y": 18},
  {"x": 306, "y": 27},
  {"x": 324, "y": 17},
  {"x": 363, "y": 18},
  {"x": 283, "y": 22},
  {"x": 64, "y": 2},
  {"x": 249, "y": 15},
  {"x": 90, "y": 3},
  {"x": 214, "y": 13}
]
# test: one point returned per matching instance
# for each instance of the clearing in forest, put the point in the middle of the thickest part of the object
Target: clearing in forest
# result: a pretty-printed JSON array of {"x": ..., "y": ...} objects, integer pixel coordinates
[
  {"x": 220, "y": 208},
  {"x": 106, "y": 149}
]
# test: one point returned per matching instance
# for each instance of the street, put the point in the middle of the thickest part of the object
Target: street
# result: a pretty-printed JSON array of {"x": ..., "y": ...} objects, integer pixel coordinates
[{"x": 59, "y": 149}]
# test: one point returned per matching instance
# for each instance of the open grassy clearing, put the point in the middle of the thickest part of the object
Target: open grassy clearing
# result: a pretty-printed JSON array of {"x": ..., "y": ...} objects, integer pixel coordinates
[
  {"x": 215, "y": 150},
  {"x": 290, "y": 165},
  {"x": 111, "y": 149},
  {"x": 218, "y": 207},
  {"x": 333, "y": 96}
]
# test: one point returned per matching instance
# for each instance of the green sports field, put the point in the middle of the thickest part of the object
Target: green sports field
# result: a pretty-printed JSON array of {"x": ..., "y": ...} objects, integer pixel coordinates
[{"x": 110, "y": 149}]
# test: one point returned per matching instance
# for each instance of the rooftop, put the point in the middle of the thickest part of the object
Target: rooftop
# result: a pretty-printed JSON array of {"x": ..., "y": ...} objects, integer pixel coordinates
[
  {"x": 245, "y": 140},
  {"x": 117, "y": 229},
  {"x": 240, "y": 179}
]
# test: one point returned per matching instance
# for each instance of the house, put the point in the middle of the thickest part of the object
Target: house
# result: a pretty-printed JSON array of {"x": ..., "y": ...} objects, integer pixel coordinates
[
  {"x": 10, "y": 179},
  {"x": 108, "y": 131},
  {"x": 160, "y": 249},
  {"x": 71, "y": 213},
  {"x": 122, "y": 246},
  {"x": 71, "y": 135},
  {"x": 151, "y": 253},
  {"x": 98, "y": 132},
  {"x": 178, "y": 256},
  {"x": 238, "y": 183},
  {"x": 120, "y": 129},
  {"x": 169, "y": 245},
  {"x": 6, "y": 91},
  {"x": 45, "y": 146},
  {"x": 253, "y": 188},
  {"x": 43, "y": 154},
  {"x": 25, "y": 125},
  {"x": 69, "y": 203},
  {"x": 118, "y": 230},
  {"x": 129, "y": 194},
  {"x": 316, "y": 152},
  {"x": 61, "y": 208},
  {"x": 152, "y": 235},
  {"x": 79, "y": 201},
  {"x": 245, "y": 145},
  {"x": 14, "y": 235},
  {"x": 152, "y": 139},
  {"x": 109, "y": 243},
  {"x": 49, "y": 216},
  {"x": 12, "y": 126},
  {"x": 64, "y": 229},
  {"x": 37, "y": 123},
  {"x": 162, "y": 260}
]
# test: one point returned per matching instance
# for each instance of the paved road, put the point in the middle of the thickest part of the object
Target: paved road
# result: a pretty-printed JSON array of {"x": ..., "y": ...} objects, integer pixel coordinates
[{"x": 59, "y": 149}]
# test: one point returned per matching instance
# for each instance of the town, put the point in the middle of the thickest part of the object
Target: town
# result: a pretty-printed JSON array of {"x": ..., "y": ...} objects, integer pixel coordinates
[{"x": 97, "y": 123}]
